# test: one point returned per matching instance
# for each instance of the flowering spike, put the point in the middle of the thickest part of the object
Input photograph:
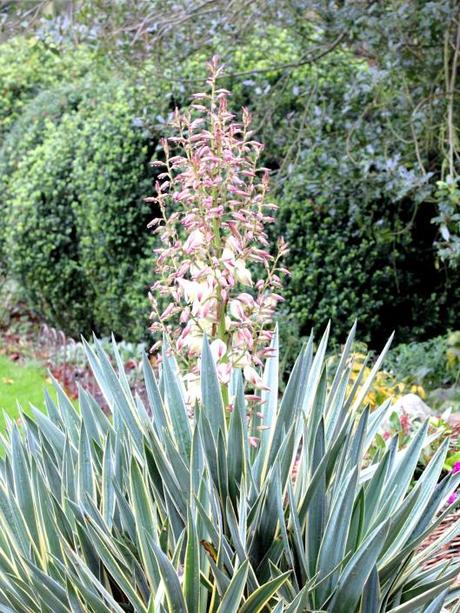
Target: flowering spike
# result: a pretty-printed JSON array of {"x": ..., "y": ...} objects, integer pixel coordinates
[{"x": 213, "y": 262}]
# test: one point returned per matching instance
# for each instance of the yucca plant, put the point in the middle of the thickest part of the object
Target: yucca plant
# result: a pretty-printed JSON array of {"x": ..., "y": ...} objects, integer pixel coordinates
[{"x": 155, "y": 509}]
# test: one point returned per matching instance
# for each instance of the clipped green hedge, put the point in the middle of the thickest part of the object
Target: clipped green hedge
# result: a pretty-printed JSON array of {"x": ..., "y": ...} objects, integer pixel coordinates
[
  {"x": 112, "y": 176},
  {"x": 41, "y": 240},
  {"x": 355, "y": 256},
  {"x": 37, "y": 83},
  {"x": 75, "y": 232},
  {"x": 29, "y": 131}
]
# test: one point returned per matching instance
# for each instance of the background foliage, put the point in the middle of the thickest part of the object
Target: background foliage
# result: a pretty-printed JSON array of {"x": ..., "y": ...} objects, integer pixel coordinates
[{"x": 357, "y": 103}]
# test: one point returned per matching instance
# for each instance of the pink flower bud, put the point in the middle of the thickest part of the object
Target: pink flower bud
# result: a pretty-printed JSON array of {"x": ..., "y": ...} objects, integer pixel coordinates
[
  {"x": 167, "y": 312},
  {"x": 224, "y": 372},
  {"x": 254, "y": 398},
  {"x": 185, "y": 315}
]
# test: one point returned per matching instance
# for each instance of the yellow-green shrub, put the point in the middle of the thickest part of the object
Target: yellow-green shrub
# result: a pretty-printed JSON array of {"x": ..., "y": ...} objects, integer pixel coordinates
[{"x": 28, "y": 66}]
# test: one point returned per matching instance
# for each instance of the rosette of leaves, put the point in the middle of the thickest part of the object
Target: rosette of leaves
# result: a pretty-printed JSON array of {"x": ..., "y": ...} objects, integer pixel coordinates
[{"x": 157, "y": 510}]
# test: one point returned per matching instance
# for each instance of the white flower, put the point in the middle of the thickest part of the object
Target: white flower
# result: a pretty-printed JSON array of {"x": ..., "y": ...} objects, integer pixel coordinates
[
  {"x": 224, "y": 372},
  {"x": 253, "y": 377},
  {"x": 242, "y": 274},
  {"x": 193, "y": 388},
  {"x": 218, "y": 349},
  {"x": 194, "y": 291},
  {"x": 191, "y": 338},
  {"x": 228, "y": 256},
  {"x": 237, "y": 311}
]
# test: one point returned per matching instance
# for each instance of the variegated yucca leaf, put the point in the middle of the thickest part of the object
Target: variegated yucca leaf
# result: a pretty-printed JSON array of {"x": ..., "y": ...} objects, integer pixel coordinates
[{"x": 155, "y": 510}]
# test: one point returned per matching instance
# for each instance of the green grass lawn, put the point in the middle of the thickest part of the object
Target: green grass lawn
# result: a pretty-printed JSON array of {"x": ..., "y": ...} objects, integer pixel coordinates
[{"x": 21, "y": 383}]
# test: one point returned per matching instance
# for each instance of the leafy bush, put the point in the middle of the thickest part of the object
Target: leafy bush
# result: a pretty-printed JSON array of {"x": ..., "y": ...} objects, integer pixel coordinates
[
  {"x": 424, "y": 363},
  {"x": 41, "y": 236},
  {"x": 103, "y": 148},
  {"x": 433, "y": 365},
  {"x": 111, "y": 175},
  {"x": 37, "y": 100},
  {"x": 29, "y": 66},
  {"x": 352, "y": 212},
  {"x": 29, "y": 129},
  {"x": 81, "y": 164},
  {"x": 152, "y": 510},
  {"x": 28, "y": 132}
]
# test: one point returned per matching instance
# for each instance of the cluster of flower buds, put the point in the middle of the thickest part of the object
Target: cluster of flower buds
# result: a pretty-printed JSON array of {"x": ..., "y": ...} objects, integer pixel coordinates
[{"x": 212, "y": 194}]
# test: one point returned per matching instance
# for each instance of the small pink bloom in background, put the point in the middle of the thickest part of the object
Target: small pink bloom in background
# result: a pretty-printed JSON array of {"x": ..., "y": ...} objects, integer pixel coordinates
[
  {"x": 452, "y": 498},
  {"x": 456, "y": 467},
  {"x": 405, "y": 423}
]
